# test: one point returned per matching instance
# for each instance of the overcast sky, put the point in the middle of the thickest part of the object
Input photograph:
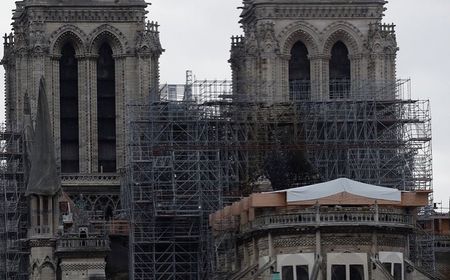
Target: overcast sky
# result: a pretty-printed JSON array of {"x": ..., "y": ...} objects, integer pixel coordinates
[{"x": 196, "y": 35}]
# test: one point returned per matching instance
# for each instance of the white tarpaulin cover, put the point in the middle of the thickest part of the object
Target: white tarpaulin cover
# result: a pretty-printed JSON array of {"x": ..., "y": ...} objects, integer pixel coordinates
[{"x": 330, "y": 188}]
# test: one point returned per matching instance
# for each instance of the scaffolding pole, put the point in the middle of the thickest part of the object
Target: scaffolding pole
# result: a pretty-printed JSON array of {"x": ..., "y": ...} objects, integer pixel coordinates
[{"x": 13, "y": 208}]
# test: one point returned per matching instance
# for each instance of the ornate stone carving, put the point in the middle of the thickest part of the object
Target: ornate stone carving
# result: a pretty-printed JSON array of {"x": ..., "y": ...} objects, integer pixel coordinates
[
  {"x": 97, "y": 203},
  {"x": 83, "y": 266},
  {"x": 382, "y": 39},
  {"x": 93, "y": 14},
  {"x": 90, "y": 179},
  {"x": 292, "y": 11},
  {"x": 147, "y": 41},
  {"x": 343, "y": 31},
  {"x": 114, "y": 36},
  {"x": 67, "y": 33},
  {"x": 37, "y": 42},
  {"x": 299, "y": 31},
  {"x": 266, "y": 38},
  {"x": 41, "y": 243}
]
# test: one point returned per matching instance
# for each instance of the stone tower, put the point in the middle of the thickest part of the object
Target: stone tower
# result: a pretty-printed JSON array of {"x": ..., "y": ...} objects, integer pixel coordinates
[
  {"x": 313, "y": 50},
  {"x": 95, "y": 56}
]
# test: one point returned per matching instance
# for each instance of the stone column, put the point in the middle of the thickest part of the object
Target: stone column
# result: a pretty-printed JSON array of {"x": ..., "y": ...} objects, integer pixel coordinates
[
  {"x": 374, "y": 248},
  {"x": 255, "y": 251},
  {"x": 320, "y": 77},
  {"x": 34, "y": 212},
  {"x": 21, "y": 85},
  {"x": 358, "y": 81},
  {"x": 270, "y": 245},
  {"x": 92, "y": 127},
  {"x": 55, "y": 98},
  {"x": 145, "y": 76},
  {"x": 41, "y": 216},
  {"x": 50, "y": 216},
  {"x": 284, "y": 77},
  {"x": 318, "y": 244},
  {"x": 120, "y": 62},
  {"x": 84, "y": 109}
]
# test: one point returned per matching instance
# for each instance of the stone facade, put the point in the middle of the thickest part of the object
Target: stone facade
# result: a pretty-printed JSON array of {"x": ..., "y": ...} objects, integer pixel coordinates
[
  {"x": 272, "y": 28},
  {"x": 95, "y": 43},
  {"x": 41, "y": 30}
]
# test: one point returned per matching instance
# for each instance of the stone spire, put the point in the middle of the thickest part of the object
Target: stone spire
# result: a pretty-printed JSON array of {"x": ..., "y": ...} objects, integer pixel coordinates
[{"x": 43, "y": 177}]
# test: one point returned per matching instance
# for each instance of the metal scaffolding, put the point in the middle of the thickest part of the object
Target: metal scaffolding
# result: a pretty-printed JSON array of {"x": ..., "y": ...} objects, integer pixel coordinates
[
  {"x": 13, "y": 209},
  {"x": 191, "y": 153}
]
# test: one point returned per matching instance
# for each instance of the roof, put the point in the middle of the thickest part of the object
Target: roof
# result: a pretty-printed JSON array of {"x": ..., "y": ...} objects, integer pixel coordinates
[
  {"x": 339, "y": 192},
  {"x": 339, "y": 186}
]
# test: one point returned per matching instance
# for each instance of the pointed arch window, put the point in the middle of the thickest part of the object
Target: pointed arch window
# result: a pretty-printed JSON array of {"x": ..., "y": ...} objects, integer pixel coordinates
[
  {"x": 339, "y": 71},
  {"x": 68, "y": 66},
  {"x": 299, "y": 73},
  {"x": 106, "y": 109}
]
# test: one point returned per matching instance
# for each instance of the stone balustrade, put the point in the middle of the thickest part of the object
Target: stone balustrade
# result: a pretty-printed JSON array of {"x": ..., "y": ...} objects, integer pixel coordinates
[
  {"x": 89, "y": 179},
  {"x": 310, "y": 218},
  {"x": 442, "y": 243},
  {"x": 74, "y": 244}
]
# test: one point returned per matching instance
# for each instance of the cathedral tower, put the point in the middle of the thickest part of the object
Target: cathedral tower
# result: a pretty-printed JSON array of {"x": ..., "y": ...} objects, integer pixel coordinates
[
  {"x": 95, "y": 56},
  {"x": 313, "y": 50}
]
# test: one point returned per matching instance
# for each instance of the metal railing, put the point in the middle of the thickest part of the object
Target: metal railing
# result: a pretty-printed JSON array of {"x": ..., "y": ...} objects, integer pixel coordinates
[{"x": 343, "y": 89}]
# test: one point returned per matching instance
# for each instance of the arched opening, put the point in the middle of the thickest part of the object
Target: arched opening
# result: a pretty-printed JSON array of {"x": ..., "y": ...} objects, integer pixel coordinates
[
  {"x": 68, "y": 69},
  {"x": 106, "y": 110},
  {"x": 299, "y": 73},
  {"x": 109, "y": 214},
  {"x": 339, "y": 71},
  {"x": 47, "y": 272}
]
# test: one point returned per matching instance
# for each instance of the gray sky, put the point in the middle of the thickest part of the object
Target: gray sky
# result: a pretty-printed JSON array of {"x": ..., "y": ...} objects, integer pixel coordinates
[{"x": 196, "y": 35}]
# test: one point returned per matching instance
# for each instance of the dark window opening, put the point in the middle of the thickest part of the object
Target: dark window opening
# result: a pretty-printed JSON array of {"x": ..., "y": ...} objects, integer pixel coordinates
[
  {"x": 45, "y": 211},
  {"x": 398, "y": 271},
  {"x": 339, "y": 71},
  {"x": 38, "y": 212},
  {"x": 338, "y": 272},
  {"x": 299, "y": 73},
  {"x": 106, "y": 110},
  {"x": 68, "y": 67},
  {"x": 356, "y": 272},
  {"x": 109, "y": 213},
  {"x": 287, "y": 273},
  {"x": 302, "y": 272},
  {"x": 388, "y": 267}
]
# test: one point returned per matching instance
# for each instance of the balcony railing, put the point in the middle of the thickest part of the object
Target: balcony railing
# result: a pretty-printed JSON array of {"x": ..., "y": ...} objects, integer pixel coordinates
[
  {"x": 310, "y": 218},
  {"x": 41, "y": 230},
  {"x": 71, "y": 244},
  {"x": 442, "y": 243},
  {"x": 89, "y": 179}
]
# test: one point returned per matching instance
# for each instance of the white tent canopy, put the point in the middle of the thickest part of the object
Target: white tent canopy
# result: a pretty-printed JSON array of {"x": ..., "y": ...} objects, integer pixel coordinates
[{"x": 322, "y": 190}]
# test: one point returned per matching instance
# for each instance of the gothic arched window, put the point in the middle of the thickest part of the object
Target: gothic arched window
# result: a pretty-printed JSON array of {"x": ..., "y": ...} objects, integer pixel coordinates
[
  {"x": 106, "y": 109},
  {"x": 299, "y": 73},
  {"x": 339, "y": 71},
  {"x": 68, "y": 66}
]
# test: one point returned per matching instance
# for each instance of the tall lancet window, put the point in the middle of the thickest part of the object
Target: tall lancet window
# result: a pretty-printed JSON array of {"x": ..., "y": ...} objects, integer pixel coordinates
[
  {"x": 106, "y": 110},
  {"x": 339, "y": 71},
  {"x": 68, "y": 66},
  {"x": 299, "y": 73}
]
